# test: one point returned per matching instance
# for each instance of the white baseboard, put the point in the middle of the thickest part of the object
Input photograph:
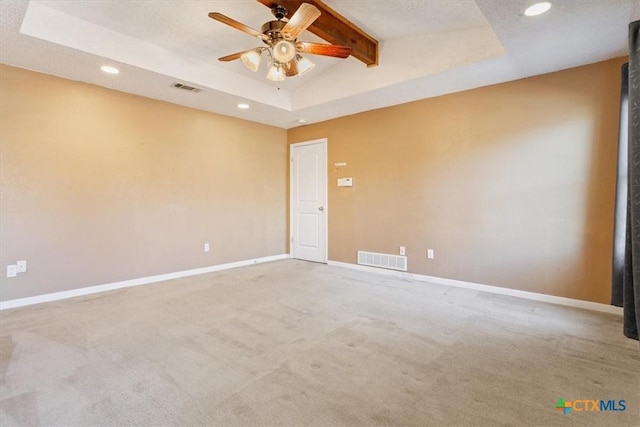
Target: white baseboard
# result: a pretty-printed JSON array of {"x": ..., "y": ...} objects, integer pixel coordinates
[
  {"x": 21, "y": 302},
  {"x": 588, "y": 305}
]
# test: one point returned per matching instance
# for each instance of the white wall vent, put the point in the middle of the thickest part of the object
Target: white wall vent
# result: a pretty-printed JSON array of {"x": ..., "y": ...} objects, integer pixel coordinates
[
  {"x": 186, "y": 87},
  {"x": 393, "y": 262}
]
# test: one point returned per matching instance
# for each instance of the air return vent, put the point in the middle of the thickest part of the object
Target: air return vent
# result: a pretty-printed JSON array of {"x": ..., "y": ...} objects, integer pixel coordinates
[
  {"x": 188, "y": 88},
  {"x": 393, "y": 262}
]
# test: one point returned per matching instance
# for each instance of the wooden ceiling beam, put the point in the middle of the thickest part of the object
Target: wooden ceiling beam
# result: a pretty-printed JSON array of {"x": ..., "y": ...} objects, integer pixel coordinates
[{"x": 335, "y": 29}]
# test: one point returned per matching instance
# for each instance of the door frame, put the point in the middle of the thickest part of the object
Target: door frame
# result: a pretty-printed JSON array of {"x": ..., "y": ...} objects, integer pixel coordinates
[{"x": 325, "y": 144}]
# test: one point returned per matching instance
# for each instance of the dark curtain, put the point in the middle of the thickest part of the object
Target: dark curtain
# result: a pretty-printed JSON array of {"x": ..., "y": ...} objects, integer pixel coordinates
[
  {"x": 620, "y": 218},
  {"x": 629, "y": 296}
]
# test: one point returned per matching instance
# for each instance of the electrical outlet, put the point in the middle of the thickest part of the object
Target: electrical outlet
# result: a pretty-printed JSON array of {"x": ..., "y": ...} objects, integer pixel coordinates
[
  {"x": 22, "y": 266},
  {"x": 430, "y": 254},
  {"x": 206, "y": 247},
  {"x": 402, "y": 251},
  {"x": 12, "y": 270}
]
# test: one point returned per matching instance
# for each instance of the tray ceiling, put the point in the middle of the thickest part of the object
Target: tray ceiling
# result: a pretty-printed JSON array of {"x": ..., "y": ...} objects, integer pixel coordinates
[{"x": 427, "y": 48}]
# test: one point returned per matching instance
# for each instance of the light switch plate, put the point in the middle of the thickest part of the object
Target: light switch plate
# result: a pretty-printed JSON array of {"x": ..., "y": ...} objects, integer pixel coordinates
[
  {"x": 402, "y": 250},
  {"x": 12, "y": 270},
  {"x": 430, "y": 254}
]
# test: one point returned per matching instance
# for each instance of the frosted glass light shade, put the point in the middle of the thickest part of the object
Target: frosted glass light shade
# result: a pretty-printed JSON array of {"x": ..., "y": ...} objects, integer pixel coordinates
[
  {"x": 275, "y": 74},
  {"x": 304, "y": 66},
  {"x": 284, "y": 51},
  {"x": 251, "y": 60}
]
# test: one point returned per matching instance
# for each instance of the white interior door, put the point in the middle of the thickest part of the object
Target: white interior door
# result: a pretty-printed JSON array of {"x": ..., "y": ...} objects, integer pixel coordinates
[{"x": 309, "y": 200}]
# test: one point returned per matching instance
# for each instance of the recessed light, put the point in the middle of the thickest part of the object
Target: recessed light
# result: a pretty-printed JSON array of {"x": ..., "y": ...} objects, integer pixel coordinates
[
  {"x": 538, "y": 8},
  {"x": 301, "y": 121},
  {"x": 109, "y": 69},
  {"x": 243, "y": 106}
]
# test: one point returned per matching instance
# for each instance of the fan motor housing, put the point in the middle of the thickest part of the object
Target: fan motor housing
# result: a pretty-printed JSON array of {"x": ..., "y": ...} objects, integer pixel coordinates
[{"x": 273, "y": 28}]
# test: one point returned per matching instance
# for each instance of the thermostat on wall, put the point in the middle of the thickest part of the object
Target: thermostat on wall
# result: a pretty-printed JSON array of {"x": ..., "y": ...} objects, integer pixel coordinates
[{"x": 345, "y": 182}]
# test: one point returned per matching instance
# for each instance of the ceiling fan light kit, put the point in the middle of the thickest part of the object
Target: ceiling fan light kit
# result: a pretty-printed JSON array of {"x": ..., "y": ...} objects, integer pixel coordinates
[
  {"x": 283, "y": 49},
  {"x": 275, "y": 73},
  {"x": 304, "y": 65},
  {"x": 251, "y": 59}
]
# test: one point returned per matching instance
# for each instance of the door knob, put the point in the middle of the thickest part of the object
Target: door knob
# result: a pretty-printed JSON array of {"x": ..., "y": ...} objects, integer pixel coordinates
[{"x": 320, "y": 208}]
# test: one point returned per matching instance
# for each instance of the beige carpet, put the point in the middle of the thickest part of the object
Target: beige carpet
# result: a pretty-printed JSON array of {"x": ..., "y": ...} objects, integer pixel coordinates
[{"x": 295, "y": 343}]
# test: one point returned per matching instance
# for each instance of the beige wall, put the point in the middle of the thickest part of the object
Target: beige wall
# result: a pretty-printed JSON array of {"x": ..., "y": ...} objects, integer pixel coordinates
[
  {"x": 512, "y": 185},
  {"x": 99, "y": 186}
]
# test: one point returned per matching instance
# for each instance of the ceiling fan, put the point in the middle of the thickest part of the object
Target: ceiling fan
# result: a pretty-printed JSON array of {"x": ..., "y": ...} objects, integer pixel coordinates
[{"x": 283, "y": 48}]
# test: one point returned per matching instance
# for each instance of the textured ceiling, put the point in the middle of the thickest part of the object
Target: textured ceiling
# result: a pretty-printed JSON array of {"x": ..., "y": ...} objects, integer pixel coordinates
[{"x": 427, "y": 48}]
